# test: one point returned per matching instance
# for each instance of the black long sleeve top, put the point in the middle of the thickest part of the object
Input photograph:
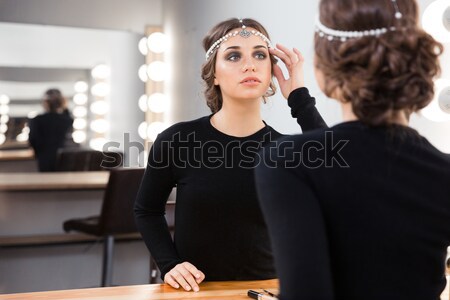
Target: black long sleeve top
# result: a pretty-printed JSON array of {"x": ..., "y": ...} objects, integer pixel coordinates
[
  {"x": 48, "y": 133},
  {"x": 357, "y": 212},
  {"x": 219, "y": 227}
]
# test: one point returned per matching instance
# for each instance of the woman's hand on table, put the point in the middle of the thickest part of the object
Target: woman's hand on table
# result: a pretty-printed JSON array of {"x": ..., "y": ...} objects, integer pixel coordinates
[{"x": 185, "y": 275}]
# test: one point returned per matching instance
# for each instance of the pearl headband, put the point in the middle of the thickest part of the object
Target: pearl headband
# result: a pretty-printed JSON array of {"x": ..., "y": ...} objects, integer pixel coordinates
[
  {"x": 243, "y": 33},
  {"x": 343, "y": 35}
]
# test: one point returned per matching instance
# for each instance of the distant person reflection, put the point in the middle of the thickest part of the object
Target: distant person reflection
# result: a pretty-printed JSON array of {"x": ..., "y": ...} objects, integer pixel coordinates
[{"x": 48, "y": 131}]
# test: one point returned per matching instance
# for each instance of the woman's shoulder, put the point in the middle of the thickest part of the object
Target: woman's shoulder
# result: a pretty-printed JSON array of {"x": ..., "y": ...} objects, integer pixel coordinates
[{"x": 184, "y": 128}]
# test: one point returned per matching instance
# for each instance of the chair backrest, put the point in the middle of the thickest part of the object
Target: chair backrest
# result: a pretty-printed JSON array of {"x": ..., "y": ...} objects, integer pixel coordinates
[
  {"x": 117, "y": 214},
  {"x": 78, "y": 159}
]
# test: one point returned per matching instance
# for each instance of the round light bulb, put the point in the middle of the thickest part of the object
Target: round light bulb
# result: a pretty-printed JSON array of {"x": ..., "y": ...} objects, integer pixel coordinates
[
  {"x": 143, "y": 73},
  {"x": 97, "y": 143},
  {"x": 434, "y": 19},
  {"x": 100, "y": 125},
  {"x": 100, "y": 89},
  {"x": 446, "y": 18},
  {"x": 22, "y": 137},
  {"x": 79, "y": 123},
  {"x": 157, "y": 71},
  {"x": 157, "y": 42},
  {"x": 80, "y": 99},
  {"x": 2, "y": 138},
  {"x": 99, "y": 107},
  {"x": 80, "y": 87},
  {"x": 4, "y": 119},
  {"x": 154, "y": 129},
  {"x": 142, "y": 130},
  {"x": 158, "y": 103},
  {"x": 79, "y": 136},
  {"x": 4, "y": 99},
  {"x": 80, "y": 112},
  {"x": 3, "y": 128},
  {"x": 143, "y": 103},
  {"x": 143, "y": 46},
  {"x": 444, "y": 99},
  {"x": 101, "y": 72},
  {"x": 433, "y": 111},
  {"x": 4, "y": 109}
]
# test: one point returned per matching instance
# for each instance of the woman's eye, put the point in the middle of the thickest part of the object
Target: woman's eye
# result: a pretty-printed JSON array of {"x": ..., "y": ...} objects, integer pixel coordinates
[
  {"x": 233, "y": 57},
  {"x": 260, "y": 55}
]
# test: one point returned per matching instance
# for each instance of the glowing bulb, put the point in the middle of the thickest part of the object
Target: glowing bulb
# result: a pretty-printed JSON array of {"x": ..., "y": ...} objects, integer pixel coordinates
[
  {"x": 100, "y": 125},
  {"x": 32, "y": 114},
  {"x": 143, "y": 103},
  {"x": 3, "y": 128},
  {"x": 97, "y": 143},
  {"x": 4, "y": 119},
  {"x": 143, "y": 46},
  {"x": 154, "y": 129},
  {"x": 80, "y": 99},
  {"x": 143, "y": 73},
  {"x": 80, "y": 87},
  {"x": 433, "y": 112},
  {"x": 2, "y": 138},
  {"x": 4, "y": 109},
  {"x": 101, "y": 72},
  {"x": 79, "y": 123},
  {"x": 435, "y": 18},
  {"x": 79, "y": 136},
  {"x": 100, "y": 89},
  {"x": 4, "y": 99},
  {"x": 142, "y": 130},
  {"x": 99, "y": 107},
  {"x": 22, "y": 137},
  {"x": 158, "y": 103},
  {"x": 157, "y": 71},
  {"x": 80, "y": 111},
  {"x": 157, "y": 42}
]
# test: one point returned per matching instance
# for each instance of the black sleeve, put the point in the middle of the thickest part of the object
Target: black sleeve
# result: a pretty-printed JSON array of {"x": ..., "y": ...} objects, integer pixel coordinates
[
  {"x": 33, "y": 138},
  {"x": 303, "y": 108},
  {"x": 297, "y": 232},
  {"x": 150, "y": 204}
]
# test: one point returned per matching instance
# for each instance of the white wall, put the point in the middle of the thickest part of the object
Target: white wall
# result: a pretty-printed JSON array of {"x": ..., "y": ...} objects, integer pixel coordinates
[{"x": 288, "y": 22}]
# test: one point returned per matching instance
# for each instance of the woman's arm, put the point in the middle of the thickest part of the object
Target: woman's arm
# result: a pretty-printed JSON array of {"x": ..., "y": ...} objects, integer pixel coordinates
[
  {"x": 303, "y": 106},
  {"x": 150, "y": 204},
  {"x": 297, "y": 231}
]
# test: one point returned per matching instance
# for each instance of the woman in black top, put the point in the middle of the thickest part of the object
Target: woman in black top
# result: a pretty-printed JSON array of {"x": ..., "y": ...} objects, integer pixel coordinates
[
  {"x": 220, "y": 233},
  {"x": 362, "y": 210},
  {"x": 48, "y": 131}
]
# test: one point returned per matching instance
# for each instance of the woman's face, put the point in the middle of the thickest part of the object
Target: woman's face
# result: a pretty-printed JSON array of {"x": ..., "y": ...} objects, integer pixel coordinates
[{"x": 243, "y": 68}]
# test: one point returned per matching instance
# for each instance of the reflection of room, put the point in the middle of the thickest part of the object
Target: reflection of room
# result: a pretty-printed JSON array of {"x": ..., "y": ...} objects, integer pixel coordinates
[{"x": 50, "y": 43}]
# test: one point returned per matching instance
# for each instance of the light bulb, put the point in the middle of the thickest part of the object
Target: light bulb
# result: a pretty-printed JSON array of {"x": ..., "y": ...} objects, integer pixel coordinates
[
  {"x": 101, "y": 72},
  {"x": 158, "y": 103},
  {"x": 80, "y": 87},
  {"x": 79, "y": 136},
  {"x": 157, "y": 71},
  {"x": 157, "y": 42}
]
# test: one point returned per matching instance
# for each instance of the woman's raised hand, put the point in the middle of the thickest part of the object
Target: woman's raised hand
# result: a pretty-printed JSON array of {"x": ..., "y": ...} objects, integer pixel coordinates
[
  {"x": 185, "y": 275},
  {"x": 293, "y": 60}
]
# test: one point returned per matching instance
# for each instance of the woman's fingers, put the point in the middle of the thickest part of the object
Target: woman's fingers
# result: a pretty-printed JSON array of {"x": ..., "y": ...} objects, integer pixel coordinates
[{"x": 185, "y": 275}]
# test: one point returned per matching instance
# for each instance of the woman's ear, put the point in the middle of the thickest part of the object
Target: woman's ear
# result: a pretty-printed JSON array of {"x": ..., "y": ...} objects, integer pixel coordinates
[{"x": 216, "y": 82}]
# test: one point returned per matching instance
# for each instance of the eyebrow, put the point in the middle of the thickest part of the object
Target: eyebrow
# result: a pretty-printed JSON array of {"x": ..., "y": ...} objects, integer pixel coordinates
[{"x": 238, "y": 47}]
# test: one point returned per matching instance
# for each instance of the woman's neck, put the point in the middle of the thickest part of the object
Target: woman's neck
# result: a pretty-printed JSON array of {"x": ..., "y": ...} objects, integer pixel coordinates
[
  {"x": 238, "y": 119},
  {"x": 348, "y": 115}
]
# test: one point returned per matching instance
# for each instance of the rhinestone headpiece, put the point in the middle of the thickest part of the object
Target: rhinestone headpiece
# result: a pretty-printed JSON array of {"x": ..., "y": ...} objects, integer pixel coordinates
[
  {"x": 243, "y": 33},
  {"x": 342, "y": 35}
]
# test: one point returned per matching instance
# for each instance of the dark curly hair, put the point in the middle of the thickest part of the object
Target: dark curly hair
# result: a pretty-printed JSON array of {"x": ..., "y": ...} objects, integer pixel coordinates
[
  {"x": 212, "y": 92},
  {"x": 380, "y": 76},
  {"x": 54, "y": 100}
]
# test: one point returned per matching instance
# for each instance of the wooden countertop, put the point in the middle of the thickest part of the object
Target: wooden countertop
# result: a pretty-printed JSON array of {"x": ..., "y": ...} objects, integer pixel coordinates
[
  {"x": 236, "y": 290},
  {"x": 23, "y": 154},
  {"x": 53, "y": 181}
]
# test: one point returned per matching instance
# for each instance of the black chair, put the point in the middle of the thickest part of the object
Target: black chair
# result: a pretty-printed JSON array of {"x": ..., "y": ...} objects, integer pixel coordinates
[
  {"x": 79, "y": 159},
  {"x": 170, "y": 218},
  {"x": 116, "y": 215}
]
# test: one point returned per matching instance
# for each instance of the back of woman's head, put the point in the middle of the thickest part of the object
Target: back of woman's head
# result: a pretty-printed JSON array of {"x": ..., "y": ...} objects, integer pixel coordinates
[
  {"x": 212, "y": 92},
  {"x": 54, "y": 100},
  {"x": 383, "y": 74}
]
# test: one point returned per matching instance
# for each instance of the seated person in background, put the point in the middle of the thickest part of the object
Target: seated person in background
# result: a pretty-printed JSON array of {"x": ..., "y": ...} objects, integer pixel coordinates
[
  {"x": 48, "y": 131},
  {"x": 362, "y": 210}
]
